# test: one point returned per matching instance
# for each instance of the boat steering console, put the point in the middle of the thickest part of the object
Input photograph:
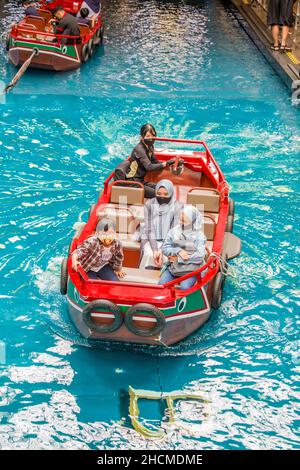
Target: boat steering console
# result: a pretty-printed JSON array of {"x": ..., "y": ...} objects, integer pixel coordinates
[{"x": 178, "y": 167}]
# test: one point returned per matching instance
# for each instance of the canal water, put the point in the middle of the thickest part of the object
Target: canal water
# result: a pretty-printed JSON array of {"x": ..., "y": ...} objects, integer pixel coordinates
[{"x": 187, "y": 67}]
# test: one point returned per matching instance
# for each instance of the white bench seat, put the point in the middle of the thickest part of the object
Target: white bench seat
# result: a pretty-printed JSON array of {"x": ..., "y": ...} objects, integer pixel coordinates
[{"x": 141, "y": 276}]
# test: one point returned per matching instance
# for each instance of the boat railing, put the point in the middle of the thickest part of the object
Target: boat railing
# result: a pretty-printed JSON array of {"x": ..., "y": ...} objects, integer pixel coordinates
[
  {"x": 222, "y": 186},
  {"x": 211, "y": 267},
  {"x": 70, "y": 6},
  {"x": 107, "y": 181},
  {"x": 209, "y": 158},
  {"x": 56, "y": 39}
]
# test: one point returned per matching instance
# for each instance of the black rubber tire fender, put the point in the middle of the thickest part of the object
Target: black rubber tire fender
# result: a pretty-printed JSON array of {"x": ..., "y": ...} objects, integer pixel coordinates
[
  {"x": 85, "y": 53},
  {"x": 64, "y": 276},
  {"x": 7, "y": 42},
  {"x": 159, "y": 316},
  {"x": 111, "y": 307},
  {"x": 91, "y": 47},
  {"x": 231, "y": 207},
  {"x": 97, "y": 37},
  {"x": 217, "y": 291},
  {"x": 101, "y": 34},
  {"x": 229, "y": 225}
]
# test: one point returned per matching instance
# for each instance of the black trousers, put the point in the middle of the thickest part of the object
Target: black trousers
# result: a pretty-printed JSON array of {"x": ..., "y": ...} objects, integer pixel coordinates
[
  {"x": 149, "y": 189},
  {"x": 280, "y": 12},
  {"x": 106, "y": 273}
]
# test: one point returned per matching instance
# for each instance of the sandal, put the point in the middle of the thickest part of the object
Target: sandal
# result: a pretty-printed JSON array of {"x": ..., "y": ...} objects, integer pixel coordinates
[
  {"x": 275, "y": 48},
  {"x": 285, "y": 49}
]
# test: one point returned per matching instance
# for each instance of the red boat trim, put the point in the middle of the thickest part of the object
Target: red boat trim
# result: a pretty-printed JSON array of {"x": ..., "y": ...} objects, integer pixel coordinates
[
  {"x": 119, "y": 303},
  {"x": 175, "y": 316}
]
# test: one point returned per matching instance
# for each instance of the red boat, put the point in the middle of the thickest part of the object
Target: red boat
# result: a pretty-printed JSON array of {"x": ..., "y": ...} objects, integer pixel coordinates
[
  {"x": 52, "y": 52},
  {"x": 136, "y": 309}
]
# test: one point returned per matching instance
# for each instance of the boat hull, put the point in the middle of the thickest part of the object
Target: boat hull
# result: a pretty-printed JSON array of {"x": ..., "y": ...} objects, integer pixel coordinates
[
  {"x": 186, "y": 316},
  {"x": 58, "y": 58}
]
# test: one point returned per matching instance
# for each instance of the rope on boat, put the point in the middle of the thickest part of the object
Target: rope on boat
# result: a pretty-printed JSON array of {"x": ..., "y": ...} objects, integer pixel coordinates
[
  {"x": 225, "y": 269},
  {"x": 21, "y": 71}
]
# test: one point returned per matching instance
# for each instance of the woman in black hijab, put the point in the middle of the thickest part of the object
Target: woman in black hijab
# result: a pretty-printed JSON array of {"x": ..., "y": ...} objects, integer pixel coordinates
[{"x": 142, "y": 160}]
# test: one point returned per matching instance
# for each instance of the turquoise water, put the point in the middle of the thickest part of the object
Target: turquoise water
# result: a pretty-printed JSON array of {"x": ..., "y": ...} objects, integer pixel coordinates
[{"x": 188, "y": 68}]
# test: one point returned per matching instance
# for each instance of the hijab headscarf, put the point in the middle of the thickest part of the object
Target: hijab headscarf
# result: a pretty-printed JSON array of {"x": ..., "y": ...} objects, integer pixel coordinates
[
  {"x": 191, "y": 230},
  {"x": 163, "y": 214}
]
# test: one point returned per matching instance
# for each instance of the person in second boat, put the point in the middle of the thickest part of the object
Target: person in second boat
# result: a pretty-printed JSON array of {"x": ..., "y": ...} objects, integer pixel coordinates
[
  {"x": 101, "y": 255},
  {"x": 143, "y": 160},
  {"x": 184, "y": 247},
  {"x": 93, "y": 7},
  {"x": 161, "y": 213},
  {"x": 83, "y": 18},
  {"x": 30, "y": 8}
]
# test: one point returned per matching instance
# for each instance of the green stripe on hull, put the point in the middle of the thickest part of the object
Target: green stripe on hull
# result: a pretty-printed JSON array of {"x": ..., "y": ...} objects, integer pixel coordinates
[
  {"x": 190, "y": 303},
  {"x": 69, "y": 50}
]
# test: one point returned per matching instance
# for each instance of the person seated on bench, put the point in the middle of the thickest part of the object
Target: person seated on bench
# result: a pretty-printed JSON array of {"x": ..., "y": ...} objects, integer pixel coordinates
[
  {"x": 83, "y": 18},
  {"x": 142, "y": 160},
  {"x": 93, "y": 7},
  {"x": 65, "y": 24},
  {"x": 160, "y": 214},
  {"x": 101, "y": 255},
  {"x": 184, "y": 247},
  {"x": 30, "y": 8}
]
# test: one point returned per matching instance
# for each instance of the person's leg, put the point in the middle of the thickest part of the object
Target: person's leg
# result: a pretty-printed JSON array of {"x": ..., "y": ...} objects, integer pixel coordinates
[
  {"x": 285, "y": 33},
  {"x": 166, "y": 277},
  {"x": 147, "y": 258},
  {"x": 107, "y": 274},
  {"x": 188, "y": 283},
  {"x": 274, "y": 20},
  {"x": 92, "y": 275},
  {"x": 287, "y": 21},
  {"x": 275, "y": 34},
  {"x": 149, "y": 190}
]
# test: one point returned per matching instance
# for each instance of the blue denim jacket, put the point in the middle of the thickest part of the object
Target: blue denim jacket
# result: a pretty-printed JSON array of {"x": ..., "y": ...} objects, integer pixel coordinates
[{"x": 193, "y": 243}]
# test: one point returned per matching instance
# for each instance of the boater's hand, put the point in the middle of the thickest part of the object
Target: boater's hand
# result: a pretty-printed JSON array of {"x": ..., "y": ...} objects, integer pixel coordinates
[
  {"x": 172, "y": 259},
  {"x": 120, "y": 274},
  {"x": 169, "y": 162},
  {"x": 184, "y": 255},
  {"x": 157, "y": 256},
  {"x": 75, "y": 265}
]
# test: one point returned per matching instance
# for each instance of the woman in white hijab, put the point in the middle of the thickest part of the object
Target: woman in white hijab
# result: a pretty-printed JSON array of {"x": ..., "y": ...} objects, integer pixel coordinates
[
  {"x": 160, "y": 215},
  {"x": 185, "y": 247}
]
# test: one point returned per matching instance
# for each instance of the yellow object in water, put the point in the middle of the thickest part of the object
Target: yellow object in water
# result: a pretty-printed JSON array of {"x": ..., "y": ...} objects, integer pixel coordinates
[{"x": 170, "y": 397}]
